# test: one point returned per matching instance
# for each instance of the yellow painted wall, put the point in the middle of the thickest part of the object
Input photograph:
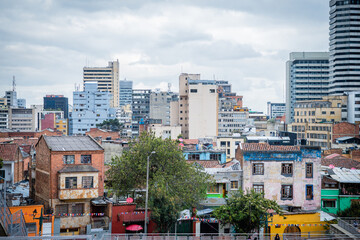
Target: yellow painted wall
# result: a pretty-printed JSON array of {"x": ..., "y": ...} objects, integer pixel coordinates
[
  {"x": 63, "y": 125},
  {"x": 307, "y": 222},
  {"x": 28, "y": 215}
]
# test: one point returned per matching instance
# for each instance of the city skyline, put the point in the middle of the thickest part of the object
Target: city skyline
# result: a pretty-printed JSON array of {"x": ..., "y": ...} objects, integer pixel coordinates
[{"x": 46, "y": 44}]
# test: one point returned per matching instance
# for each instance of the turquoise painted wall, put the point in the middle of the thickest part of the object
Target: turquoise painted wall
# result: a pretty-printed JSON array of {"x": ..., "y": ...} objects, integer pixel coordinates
[{"x": 342, "y": 201}]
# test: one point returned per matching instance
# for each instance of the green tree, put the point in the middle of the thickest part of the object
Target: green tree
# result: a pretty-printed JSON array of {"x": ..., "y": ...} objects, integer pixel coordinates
[
  {"x": 352, "y": 211},
  {"x": 174, "y": 185},
  {"x": 110, "y": 124},
  {"x": 245, "y": 210}
]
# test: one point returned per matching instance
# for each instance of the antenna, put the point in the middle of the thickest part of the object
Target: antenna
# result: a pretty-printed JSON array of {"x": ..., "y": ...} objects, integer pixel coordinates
[
  {"x": 169, "y": 87},
  {"x": 14, "y": 84}
]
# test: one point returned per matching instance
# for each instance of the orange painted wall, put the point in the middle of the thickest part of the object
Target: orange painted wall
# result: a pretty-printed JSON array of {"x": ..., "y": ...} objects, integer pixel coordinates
[{"x": 28, "y": 215}]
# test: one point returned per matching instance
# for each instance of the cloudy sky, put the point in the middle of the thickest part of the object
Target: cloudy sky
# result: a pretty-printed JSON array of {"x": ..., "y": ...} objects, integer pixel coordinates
[{"x": 46, "y": 43}]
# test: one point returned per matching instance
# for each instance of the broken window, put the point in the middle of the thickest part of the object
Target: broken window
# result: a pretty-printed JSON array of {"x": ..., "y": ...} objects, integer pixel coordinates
[
  {"x": 85, "y": 158},
  {"x": 286, "y": 192},
  {"x": 71, "y": 182},
  {"x": 69, "y": 159},
  {"x": 88, "y": 182},
  {"x": 258, "y": 169}
]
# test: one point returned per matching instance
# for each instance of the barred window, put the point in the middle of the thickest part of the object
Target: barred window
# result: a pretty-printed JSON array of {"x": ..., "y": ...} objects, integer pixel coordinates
[
  {"x": 77, "y": 208},
  {"x": 85, "y": 158},
  {"x": 61, "y": 209},
  {"x": 71, "y": 182},
  {"x": 88, "y": 182},
  {"x": 69, "y": 159}
]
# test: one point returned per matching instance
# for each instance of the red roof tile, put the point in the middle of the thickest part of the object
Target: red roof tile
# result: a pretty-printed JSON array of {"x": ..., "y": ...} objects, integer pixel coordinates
[
  {"x": 8, "y": 151},
  {"x": 205, "y": 163},
  {"x": 340, "y": 161},
  {"x": 191, "y": 141},
  {"x": 265, "y": 147}
]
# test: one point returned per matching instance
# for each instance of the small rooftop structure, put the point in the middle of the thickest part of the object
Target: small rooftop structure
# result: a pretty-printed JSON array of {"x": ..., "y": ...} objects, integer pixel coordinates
[
  {"x": 72, "y": 143},
  {"x": 345, "y": 175}
]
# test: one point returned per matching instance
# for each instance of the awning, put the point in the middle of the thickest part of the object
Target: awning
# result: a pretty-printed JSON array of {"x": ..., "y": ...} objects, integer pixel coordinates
[{"x": 134, "y": 228}]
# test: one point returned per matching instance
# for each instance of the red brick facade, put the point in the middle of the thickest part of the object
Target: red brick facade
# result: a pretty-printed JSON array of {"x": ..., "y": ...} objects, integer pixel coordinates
[
  {"x": 11, "y": 152},
  {"x": 103, "y": 134},
  {"x": 345, "y": 129}
]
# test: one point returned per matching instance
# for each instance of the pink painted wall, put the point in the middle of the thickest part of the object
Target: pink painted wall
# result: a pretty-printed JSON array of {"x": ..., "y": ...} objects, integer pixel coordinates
[{"x": 48, "y": 121}]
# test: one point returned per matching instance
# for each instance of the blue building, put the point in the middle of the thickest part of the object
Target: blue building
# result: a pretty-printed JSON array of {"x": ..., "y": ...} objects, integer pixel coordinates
[
  {"x": 125, "y": 92},
  {"x": 90, "y": 107}
]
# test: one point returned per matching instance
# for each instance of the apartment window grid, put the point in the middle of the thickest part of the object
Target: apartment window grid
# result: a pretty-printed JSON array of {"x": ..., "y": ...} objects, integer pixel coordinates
[{"x": 258, "y": 169}]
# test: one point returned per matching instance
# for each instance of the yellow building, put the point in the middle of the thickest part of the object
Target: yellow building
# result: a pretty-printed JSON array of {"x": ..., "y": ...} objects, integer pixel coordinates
[
  {"x": 298, "y": 224},
  {"x": 3, "y": 103},
  {"x": 30, "y": 212},
  {"x": 62, "y": 125},
  {"x": 314, "y": 119}
]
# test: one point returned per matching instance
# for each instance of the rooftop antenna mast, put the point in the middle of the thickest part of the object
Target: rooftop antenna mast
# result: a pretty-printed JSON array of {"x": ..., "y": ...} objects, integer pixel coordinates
[
  {"x": 169, "y": 87},
  {"x": 14, "y": 84}
]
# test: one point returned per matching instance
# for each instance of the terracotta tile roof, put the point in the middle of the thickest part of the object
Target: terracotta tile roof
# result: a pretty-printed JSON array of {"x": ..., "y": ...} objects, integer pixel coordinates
[
  {"x": 340, "y": 161},
  {"x": 191, "y": 141},
  {"x": 22, "y": 141},
  {"x": 8, "y": 151},
  {"x": 205, "y": 163},
  {"x": 265, "y": 147}
]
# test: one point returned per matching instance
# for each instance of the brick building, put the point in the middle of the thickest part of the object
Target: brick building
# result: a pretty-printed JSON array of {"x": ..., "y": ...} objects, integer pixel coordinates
[
  {"x": 345, "y": 129},
  {"x": 13, "y": 164},
  {"x": 73, "y": 169},
  {"x": 290, "y": 175},
  {"x": 101, "y": 134}
]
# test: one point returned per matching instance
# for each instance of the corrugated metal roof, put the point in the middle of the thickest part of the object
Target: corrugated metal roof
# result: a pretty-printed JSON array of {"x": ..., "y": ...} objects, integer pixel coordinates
[
  {"x": 72, "y": 143},
  {"x": 344, "y": 175}
]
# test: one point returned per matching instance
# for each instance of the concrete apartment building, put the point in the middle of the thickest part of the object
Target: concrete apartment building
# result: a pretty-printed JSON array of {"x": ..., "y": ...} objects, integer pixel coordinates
[
  {"x": 344, "y": 47},
  {"x": 140, "y": 109},
  {"x": 275, "y": 110},
  {"x": 73, "y": 169},
  {"x": 353, "y": 107},
  {"x": 125, "y": 97},
  {"x": 290, "y": 175},
  {"x": 21, "y": 119},
  {"x": 124, "y": 115},
  {"x": 314, "y": 120},
  {"x": 107, "y": 79},
  {"x": 307, "y": 78},
  {"x": 198, "y": 106},
  {"x": 90, "y": 107},
  {"x": 160, "y": 105}
]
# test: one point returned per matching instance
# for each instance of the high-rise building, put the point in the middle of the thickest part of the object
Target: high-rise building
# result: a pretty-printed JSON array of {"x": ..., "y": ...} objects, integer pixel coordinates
[
  {"x": 198, "y": 106},
  {"x": 140, "y": 109},
  {"x": 11, "y": 98},
  {"x": 22, "y": 119},
  {"x": 107, "y": 79},
  {"x": 344, "y": 46},
  {"x": 307, "y": 78},
  {"x": 57, "y": 102},
  {"x": 90, "y": 107},
  {"x": 125, "y": 96},
  {"x": 160, "y": 105},
  {"x": 275, "y": 110}
]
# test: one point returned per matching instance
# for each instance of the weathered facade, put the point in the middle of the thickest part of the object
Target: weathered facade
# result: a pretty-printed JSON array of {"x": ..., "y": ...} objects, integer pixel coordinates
[
  {"x": 73, "y": 169},
  {"x": 290, "y": 175}
]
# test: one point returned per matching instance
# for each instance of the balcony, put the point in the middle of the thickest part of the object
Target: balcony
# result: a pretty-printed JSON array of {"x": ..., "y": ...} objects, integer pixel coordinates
[{"x": 82, "y": 193}]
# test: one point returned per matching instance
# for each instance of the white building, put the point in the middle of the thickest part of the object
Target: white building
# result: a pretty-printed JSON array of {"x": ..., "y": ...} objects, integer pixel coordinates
[
  {"x": 160, "y": 105},
  {"x": 124, "y": 115},
  {"x": 353, "y": 107},
  {"x": 22, "y": 119},
  {"x": 197, "y": 106},
  {"x": 107, "y": 79},
  {"x": 90, "y": 107},
  {"x": 275, "y": 110}
]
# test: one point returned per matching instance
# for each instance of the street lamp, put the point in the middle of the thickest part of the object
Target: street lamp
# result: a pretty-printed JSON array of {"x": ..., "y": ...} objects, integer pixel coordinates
[{"x": 147, "y": 192}]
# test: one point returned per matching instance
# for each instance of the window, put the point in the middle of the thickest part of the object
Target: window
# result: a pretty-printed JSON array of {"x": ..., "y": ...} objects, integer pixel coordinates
[
  {"x": 85, "y": 158},
  {"x": 212, "y": 90},
  {"x": 234, "y": 185},
  {"x": 332, "y": 112},
  {"x": 88, "y": 182},
  {"x": 2, "y": 174},
  {"x": 286, "y": 169},
  {"x": 222, "y": 144},
  {"x": 258, "y": 188},
  {"x": 323, "y": 112},
  {"x": 286, "y": 192},
  {"x": 70, "y": 182},
  {"x": 329, "y": 203},
  {"x": 309, "y": 170},
  {"x": 77, "y": 208},
  {"x": 213, "y": 189},
  {"x": 193, "y": 90},
  {"x": 69, "y": 159},
  {"x": 61, "y": 209},
  {"x": 309, "y": 192},
  {"x": 215, "y": 156},
  {"x": 194, "y": 157},
  {"x": 258, "y": 169}
]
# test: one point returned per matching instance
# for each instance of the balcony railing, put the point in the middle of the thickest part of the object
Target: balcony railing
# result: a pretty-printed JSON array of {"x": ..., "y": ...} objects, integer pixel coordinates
[{"x": 350, "y": 224}]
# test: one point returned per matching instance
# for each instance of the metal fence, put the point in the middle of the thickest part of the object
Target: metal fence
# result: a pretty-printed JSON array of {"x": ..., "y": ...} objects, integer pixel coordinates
[
  {"x": 13, "y": 224},
  {"x": 350, "y": 224}
]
